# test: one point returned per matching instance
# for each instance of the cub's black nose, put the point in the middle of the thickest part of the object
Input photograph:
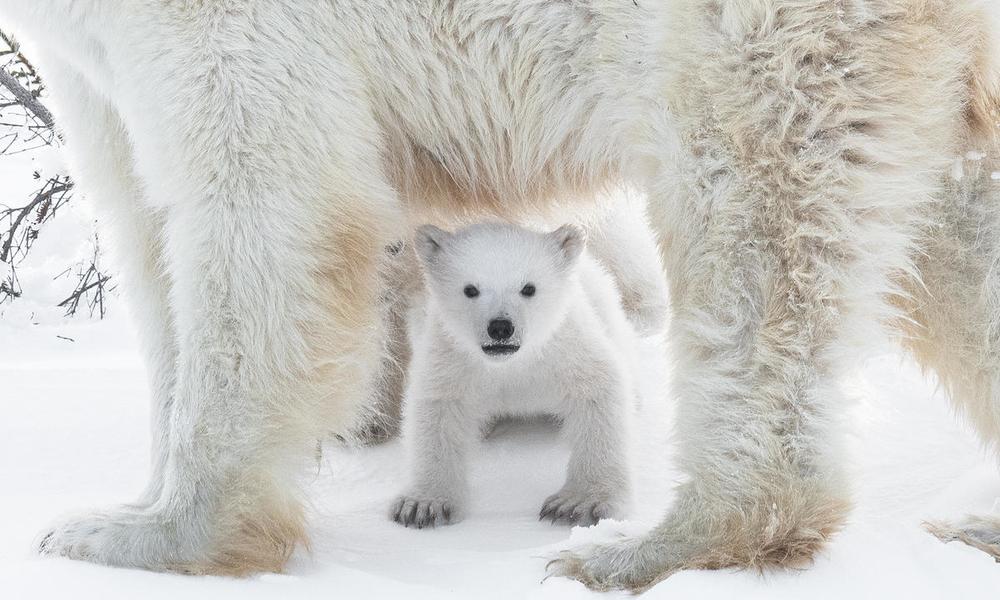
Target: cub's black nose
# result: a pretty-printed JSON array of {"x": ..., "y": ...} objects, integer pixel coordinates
[{"x": 500, "y": 329}]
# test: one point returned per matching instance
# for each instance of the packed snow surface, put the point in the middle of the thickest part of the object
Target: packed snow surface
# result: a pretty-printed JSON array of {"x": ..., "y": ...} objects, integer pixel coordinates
[{"x": 74, "y": 435}]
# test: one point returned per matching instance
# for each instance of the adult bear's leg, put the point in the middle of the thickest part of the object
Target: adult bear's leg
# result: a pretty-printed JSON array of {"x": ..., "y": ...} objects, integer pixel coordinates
[
  {"x": 276, "y": 211},
  {"x": 807, "y": 140},
  {"x": 953, "y": 314}
]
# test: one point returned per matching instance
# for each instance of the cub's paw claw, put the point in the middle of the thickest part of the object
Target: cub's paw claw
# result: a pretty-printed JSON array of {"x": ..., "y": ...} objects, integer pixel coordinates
[
  {"x": 576, "y": 508},
  {"x": 421, "y": 513}
]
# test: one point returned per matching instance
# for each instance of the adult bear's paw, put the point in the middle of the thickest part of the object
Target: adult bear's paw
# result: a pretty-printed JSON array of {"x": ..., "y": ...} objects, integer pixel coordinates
[
  {"x": 632, "y": 564},
  {"x": 124, "y": 537},
  {"x": 982, "y": 533}
]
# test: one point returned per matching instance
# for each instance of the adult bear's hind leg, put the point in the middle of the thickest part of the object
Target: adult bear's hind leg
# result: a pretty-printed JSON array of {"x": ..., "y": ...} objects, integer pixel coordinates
[
  {"x": 953, "y": 315},
  {"x": 952, "y": 304}
]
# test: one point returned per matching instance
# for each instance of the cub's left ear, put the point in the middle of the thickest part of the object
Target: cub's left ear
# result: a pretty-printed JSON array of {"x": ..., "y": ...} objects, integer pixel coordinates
[
  {"x": 430, "y": 241},
  {"x": 570, "y": 240}
]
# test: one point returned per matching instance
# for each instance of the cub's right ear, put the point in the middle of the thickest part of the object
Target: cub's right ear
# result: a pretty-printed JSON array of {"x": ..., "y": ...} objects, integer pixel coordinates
[
  {"x": 570, "y": 240},
  {"x": 430, "y": 242}
]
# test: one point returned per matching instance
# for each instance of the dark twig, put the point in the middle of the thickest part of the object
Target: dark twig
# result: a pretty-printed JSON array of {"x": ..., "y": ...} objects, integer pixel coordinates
[
  {"x": 26, "y": 98},
  {"x": 26, "y": 125},
  {"x": 42, "y": 207},
  {"x": 91, "y": 286}
]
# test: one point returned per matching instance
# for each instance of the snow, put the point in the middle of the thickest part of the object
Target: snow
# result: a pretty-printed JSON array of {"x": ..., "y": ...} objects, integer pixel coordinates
[{"x": 73, "y": 435}]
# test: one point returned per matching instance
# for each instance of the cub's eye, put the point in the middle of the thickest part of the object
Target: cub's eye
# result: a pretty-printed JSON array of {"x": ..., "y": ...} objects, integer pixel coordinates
[
  {"x": 471, "y": 291},
  {"x": 528, "y": 290}
]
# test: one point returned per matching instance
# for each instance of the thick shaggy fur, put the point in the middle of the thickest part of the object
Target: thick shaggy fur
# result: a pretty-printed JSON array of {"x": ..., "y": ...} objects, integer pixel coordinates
[
  {"x": 568, "y": 351},
  {"x": 799, "y": 157}
]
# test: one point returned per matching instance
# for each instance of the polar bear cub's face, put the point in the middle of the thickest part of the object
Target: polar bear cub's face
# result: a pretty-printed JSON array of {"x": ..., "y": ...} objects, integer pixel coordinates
[{"x": 500, "y": 290}]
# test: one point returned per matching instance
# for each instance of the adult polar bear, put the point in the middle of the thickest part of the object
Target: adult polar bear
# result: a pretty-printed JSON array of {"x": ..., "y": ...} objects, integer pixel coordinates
[{"x": 257, "y": 154}]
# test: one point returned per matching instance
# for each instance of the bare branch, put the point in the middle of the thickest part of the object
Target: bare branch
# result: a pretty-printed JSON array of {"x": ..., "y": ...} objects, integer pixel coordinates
[
  {"x": 25, "y": 126},
  {"x": 26, "y": 98},
  {"x": 40, "y": 208},
  {"x": 90, "y": 287}
]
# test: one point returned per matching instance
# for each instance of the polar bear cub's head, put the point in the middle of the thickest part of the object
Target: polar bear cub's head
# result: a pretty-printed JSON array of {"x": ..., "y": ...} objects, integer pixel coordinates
[{"x": 498, "y": 289}]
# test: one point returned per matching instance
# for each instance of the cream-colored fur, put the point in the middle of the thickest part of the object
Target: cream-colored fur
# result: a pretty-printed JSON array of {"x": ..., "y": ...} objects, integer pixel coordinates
[{"x": 796, "y": 155}]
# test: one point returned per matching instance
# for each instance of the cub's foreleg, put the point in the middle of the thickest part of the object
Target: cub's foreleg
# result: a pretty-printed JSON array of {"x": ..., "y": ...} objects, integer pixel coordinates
[
  {"x": 595, "y": 422},
  {"x": 441, "y": 425}
]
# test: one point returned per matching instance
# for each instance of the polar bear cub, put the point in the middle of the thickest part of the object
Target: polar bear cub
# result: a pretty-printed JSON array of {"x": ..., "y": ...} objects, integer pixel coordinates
[{"x": 516, "y": 322}]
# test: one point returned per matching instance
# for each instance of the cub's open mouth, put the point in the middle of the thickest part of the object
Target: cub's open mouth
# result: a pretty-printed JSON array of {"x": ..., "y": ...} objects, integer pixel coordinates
[{"x": 500, "y": 349}]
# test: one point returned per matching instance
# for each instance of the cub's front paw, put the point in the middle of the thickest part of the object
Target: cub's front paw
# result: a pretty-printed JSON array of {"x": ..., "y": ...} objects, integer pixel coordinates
[
  {"x": 422, "y": 512},
  {"x": 578, "y": 508}
]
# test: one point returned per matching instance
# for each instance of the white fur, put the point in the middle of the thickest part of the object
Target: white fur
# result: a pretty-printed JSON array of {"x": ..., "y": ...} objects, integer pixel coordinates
[
  {"x": 576, "y": 351},
  {"x": 796, "y": 155},
  {"x": 619, "y": 238}
]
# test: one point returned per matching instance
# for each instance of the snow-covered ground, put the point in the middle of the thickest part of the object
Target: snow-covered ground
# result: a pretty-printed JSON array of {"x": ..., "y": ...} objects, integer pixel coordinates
[
  {"x": 73, "y": 435},
  {"x": 73, "y": 414}
]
